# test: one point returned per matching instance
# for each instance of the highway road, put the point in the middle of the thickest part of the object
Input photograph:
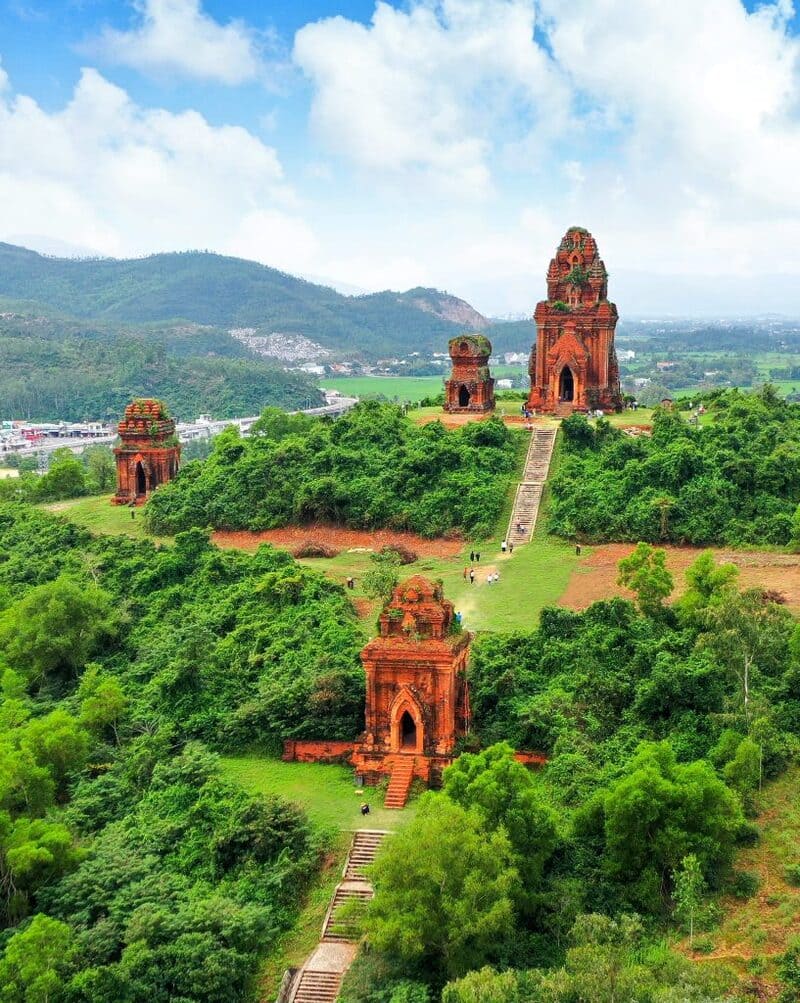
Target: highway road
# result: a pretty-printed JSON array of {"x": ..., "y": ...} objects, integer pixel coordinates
[{"x": 187, "y": 431}]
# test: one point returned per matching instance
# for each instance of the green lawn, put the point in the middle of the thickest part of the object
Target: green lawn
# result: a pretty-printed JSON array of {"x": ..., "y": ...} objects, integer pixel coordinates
[
  {"x": 327, "y": 793},
  {"x": 98, "y": 515},
  {"x": 534, "y": 576},
  {"x": 400, "y": 388}
]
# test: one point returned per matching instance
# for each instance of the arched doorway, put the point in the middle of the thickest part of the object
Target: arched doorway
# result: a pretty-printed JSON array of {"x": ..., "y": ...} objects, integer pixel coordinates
[
  {"x": 408, "y": 733},
  {"x": 566, "y": 385},
  {"x": 463, "y": 396},
  {"x": 141, "y": 479}
]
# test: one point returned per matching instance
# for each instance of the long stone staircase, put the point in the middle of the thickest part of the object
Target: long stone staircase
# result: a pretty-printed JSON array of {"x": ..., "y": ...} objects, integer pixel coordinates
[
  {"x": 529, "y": 490},
  {"x": 400, "y": 782},
  {"x": 320, "y": 978}
]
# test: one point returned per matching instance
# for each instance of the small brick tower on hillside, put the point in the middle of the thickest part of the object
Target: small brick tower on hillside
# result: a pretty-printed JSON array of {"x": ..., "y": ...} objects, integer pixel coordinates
[
  {"x": 149, "y": 453},
  {"x": 417, "y": 697},
  {"x": 573, "y": 365},
  {"x": 470, "y": 387}
]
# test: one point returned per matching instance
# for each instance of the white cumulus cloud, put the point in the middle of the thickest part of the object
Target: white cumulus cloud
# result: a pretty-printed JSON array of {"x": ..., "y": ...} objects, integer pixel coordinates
[
  {"x": 176, "y": 36},
  {"x": 106, "y": 173},
  {"x": 431, "y": 90}
]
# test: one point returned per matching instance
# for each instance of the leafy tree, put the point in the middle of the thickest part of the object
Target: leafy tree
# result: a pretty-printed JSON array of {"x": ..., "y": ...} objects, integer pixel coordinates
[
  {"x": 688, "y": 891},
  {"x": 101, "y": 467},
  {"x": 35, "y": 963},
  {"x": 444, "y": 890},
  {"x": 64, "y": 479},
  {"x": 658, "y": 812},
  {"x": 382, "y": 578},
  {"x": 33, "y": 853},
  {"x": 745, "y": 634},
  {"x": 102, "y": 701},
  {"x": 645, "y": 573},
  {"x": 706, "y": 584},
  {"x": 501, "y": 791},
  {"x": 483, "y": 986},
  {"x": 56, "y": 627}
]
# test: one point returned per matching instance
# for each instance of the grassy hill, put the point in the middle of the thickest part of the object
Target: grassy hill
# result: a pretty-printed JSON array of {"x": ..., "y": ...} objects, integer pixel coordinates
[{"x": 225, "y": 292}]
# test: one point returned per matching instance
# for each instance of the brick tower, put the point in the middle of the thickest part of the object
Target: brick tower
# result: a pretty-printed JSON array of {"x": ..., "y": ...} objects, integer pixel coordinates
[
  {"x": 417, "y": 698},
  {"x": 149, "y": 453},
  {"x": 470, "y": 387},
  {"x": 573, "y": 365}
]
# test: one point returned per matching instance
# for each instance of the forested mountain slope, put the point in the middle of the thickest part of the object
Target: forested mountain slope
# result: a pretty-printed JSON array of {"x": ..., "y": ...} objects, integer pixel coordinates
[{"x": 229, "y": 293}]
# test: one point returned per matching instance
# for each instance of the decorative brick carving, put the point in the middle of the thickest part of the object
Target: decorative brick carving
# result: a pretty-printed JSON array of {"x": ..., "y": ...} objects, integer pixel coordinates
[
  {"x": 470, "y": 387},
  {"x": 149, "y": 453},
  {"x": 573, "y": 365},
  {"x": 417, "y": 697}
]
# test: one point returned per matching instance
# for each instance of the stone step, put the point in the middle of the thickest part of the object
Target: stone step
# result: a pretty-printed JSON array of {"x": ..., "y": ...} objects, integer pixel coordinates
[
  {"x": 365, "y": 845},
  {"x": 317, "y": 987}
]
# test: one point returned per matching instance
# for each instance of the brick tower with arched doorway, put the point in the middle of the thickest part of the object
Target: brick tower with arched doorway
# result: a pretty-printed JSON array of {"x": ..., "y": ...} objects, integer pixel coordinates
[
  {"x": 470, "y": 387},
  {"x": 149, "y": 453},
  {"x": 417, "y": 702},
  {"x": 573, "y": 364}
]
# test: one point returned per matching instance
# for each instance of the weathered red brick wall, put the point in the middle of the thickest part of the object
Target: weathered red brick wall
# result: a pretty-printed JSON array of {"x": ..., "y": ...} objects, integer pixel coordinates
[{"x": 296, "y": 751}]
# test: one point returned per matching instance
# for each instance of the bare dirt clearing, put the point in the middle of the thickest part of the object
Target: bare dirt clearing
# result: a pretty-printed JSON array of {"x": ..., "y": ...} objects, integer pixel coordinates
[
  {"x": 595, "y": 577},
  {"x": 292, "y": 537}
]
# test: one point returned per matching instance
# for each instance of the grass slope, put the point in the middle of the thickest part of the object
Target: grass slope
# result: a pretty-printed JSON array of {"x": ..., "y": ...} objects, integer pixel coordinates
[
  {"x": 327, "y": 793},
  {"x": 755, "y": 932}
]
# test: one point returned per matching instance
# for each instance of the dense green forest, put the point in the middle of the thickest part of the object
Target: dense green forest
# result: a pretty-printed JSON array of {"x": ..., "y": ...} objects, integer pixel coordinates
[
  {"x": 227, "y": 292},
  {"x": 660, "y": 724},
  {"x": 734, "y": 480},
  {"x": 371, "y": 468},
  {"x": 52, "y": 370},
  {"x": 130, "y": 869}
]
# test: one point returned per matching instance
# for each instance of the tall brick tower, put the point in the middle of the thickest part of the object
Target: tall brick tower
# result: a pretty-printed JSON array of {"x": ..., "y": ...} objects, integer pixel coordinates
[
  {"x": 149, "y": 453},
  {"x": 573, "y": 365},
  {"x": 417, "y": 699},
  {"x": 470, "y": 387}
]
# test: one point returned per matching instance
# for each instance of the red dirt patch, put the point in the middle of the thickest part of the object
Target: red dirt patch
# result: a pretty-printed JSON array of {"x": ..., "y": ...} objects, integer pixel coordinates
[
  {"x": 363, "y": 608},
  {"x": 596, "y": 574},
  {"x": 339, "y": 538}
]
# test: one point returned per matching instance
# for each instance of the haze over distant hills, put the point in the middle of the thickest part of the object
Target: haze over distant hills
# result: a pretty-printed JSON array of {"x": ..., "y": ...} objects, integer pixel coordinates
[{"x": 223, "y": 292}]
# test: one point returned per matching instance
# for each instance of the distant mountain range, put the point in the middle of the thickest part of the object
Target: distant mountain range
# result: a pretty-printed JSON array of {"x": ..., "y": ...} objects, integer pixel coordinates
[{"x": 230, "y": 293}]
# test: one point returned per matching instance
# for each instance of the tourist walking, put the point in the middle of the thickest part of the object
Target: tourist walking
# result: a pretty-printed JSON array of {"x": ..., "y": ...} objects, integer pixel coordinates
[
  {"x": 471, "y": 576},
  {"x": 503, "y": 547},
  {"x": 477, "y": 557},
  {"x": 510, "y": 547},
  {"x": 472, "y": 557}
]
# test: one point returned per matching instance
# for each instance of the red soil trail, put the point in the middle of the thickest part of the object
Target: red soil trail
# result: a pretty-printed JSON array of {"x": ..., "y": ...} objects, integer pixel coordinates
[
  {"x": 292, "y": 537},
  {"x": 596, "y": 574}
]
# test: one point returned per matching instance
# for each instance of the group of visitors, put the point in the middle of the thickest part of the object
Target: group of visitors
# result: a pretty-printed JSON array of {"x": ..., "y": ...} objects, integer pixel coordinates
[
  {"x": 492, "y": 577},
  {"x": 507, "y": 546}
]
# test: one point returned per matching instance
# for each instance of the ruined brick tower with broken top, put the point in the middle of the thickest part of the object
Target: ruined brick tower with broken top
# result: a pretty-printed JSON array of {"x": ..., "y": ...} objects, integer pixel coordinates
[
  {"x": 470, "y": 387},
  {"x": 573, "y": 364},
  {"x": 148, "y": 454}
]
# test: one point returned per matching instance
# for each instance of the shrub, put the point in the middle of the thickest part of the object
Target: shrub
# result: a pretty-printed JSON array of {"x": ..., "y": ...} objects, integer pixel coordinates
[
  {"x": 744, "y": 884},
  {"x": 406, "y": 554},
  {"x": 704, "y": 945},
  {"x": 792, "y": 875},
  {"x": 315, "y": 548}
]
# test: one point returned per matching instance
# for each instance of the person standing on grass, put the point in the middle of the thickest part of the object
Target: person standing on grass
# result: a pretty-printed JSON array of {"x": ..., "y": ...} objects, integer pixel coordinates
[
  {"x": 472, "y": 576},
  {"x": 466, "y": 572},
  {"x": 503, "y": 547},
  {"x": 477, "y": 557},
  {"x": 510, "y": 547}
]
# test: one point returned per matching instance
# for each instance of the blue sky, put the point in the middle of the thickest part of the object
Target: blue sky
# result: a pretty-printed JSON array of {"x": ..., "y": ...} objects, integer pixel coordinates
[{"x": 435, "y": 142}]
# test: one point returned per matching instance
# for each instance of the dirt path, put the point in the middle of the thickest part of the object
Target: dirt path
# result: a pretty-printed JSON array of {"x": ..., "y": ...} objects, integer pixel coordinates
[
  {"x": 292, "y": 537},
  {"x": 596, "y": 575}
]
